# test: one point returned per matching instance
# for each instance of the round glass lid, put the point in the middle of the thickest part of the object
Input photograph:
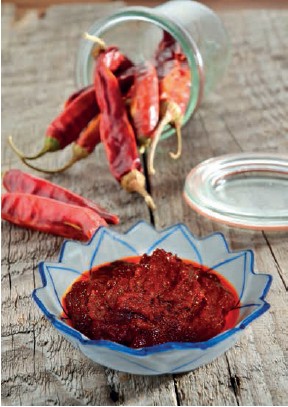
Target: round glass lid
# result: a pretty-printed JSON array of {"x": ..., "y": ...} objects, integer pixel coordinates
[{"x": 242, "y": 190}]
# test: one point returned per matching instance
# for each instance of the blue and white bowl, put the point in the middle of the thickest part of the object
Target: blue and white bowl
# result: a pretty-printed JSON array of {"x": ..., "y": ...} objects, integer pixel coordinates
[{"x": 107, "y": 246}]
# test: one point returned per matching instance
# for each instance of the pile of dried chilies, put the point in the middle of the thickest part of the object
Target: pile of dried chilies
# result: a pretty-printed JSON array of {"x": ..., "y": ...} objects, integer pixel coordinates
[
  {"x": 38, "y": 204},
  {"x": 126, "y": 108}
]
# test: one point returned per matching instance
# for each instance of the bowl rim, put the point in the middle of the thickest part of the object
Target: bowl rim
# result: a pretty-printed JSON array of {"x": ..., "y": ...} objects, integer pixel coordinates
[{"x": 167, "y": 346}]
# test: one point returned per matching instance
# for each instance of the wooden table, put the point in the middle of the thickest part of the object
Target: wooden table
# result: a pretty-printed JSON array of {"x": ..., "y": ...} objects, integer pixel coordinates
[
  {"x": 247, "y": 112},
  {"x": 41, "y": 6}
]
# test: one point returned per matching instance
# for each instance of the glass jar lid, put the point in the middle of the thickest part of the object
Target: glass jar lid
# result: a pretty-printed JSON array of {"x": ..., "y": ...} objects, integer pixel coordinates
[{"x": 247, "y": 190}]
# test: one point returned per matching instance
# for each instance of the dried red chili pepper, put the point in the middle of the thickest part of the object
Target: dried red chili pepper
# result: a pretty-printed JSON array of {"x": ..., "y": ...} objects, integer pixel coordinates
[
  {"x": 117, "y": 134},
  {"x": 86, "y": 143},
  {"x": 180, "y": 74},
  {"x": 83, "y": 146},
  {"x": 145, "y": 103},
  {"x": 174, "y": 87},
  {"x": 68, "y": 124},
  {"x": 75, "y": 95},
  {"x": 126, "y": 80},
  {"x": 19, "y": 181},
  {"x": 174, "y": 97},
  {"x": 115, "y": 60},
  {"x": 50, "y": 216},
  {"x": 79, "y": 110},
  {"x": 118, "y": 63},
  {"x": 167, "y": 52},
  {"x": 111, "y": 56}
]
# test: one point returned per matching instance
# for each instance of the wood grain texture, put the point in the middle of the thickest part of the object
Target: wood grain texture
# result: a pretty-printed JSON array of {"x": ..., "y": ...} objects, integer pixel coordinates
[
  {"x": 247, "y": 112},
  {"x": 40, "y": 6}
]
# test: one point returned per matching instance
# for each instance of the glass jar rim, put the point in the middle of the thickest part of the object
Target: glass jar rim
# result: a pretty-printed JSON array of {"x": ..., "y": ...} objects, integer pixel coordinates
[{"x": 152, "y": 16}]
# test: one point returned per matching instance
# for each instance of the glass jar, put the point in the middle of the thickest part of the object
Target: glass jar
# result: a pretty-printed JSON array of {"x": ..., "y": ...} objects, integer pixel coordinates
[{"x": 137, "y": 31}]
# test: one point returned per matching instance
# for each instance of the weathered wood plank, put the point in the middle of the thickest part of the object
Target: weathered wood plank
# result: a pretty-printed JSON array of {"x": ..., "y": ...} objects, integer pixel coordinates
[{"x": 245, "y": 113}]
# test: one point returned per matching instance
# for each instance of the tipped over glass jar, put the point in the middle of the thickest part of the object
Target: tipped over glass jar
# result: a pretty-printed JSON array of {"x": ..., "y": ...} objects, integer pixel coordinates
[{"x": 137, "y": 31}]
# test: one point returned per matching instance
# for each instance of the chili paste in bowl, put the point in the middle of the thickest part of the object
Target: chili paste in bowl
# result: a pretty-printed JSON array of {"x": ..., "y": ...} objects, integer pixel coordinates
[
  {"x": 151, "y": 302},
  {"x": 148, "y": 300}
]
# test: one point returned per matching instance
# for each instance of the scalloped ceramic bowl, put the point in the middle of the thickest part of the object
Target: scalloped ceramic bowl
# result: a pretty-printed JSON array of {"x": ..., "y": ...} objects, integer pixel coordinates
[{"x": 172, "y": 357}]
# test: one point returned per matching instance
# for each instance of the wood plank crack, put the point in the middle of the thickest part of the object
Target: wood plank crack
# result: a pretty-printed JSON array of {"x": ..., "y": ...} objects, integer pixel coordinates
[
  {"x": 234, "y": 382},
  {"x": 114, "y": 386},
  {"x": 177, "y": 393},
  {"x": 148, "y": 185},
  {"x": 8, "y": 257}
]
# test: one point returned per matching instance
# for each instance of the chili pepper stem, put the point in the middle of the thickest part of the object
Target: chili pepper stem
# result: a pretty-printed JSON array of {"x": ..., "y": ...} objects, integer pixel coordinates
[
  {"x": 46, "y": 171},
  {"x": 69, "y": 164},
  {"x": 78, "y": 154},
  {"x": 134, "y": 181},
  {"x": 46, "y": 148},
  {"x": 94, "y": 39},
  {"x": 177, "y": 155},
  {"x": 171, "y": 114},
  {"x": 156, "y": 137},
  {"x": 177, "y": 117}
]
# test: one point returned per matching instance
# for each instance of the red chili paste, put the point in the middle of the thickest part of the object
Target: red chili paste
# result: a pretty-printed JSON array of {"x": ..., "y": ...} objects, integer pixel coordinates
[{"x": 149, "y": 300}]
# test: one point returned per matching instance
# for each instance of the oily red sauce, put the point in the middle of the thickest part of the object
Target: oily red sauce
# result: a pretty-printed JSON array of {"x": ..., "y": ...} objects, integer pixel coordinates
[{"x": 148, "y": 300}]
